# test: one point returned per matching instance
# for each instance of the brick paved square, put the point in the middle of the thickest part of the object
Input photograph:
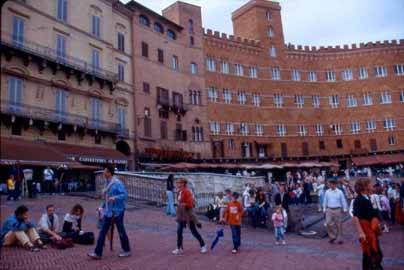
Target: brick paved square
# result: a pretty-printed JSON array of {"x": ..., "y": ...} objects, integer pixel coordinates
[{"x": 152, "y": 236}]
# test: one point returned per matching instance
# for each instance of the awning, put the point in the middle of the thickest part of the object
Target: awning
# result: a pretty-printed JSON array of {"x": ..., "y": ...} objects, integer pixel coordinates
[
  {"x": 378, "y": 159},
  {"x": 31, "y": 153},
  {"x": 37, "y": 153},
  {"x": 248, "y": 166},
  {"x": 95, "y": 155}
]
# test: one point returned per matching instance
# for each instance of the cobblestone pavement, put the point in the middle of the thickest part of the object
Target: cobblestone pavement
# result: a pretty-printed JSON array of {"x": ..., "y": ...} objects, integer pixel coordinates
[{"x": 152, "y": 236}]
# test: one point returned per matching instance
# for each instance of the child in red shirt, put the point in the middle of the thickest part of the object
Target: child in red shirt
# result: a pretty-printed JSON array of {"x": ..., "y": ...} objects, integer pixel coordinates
[{"x": 233, "y": 215}]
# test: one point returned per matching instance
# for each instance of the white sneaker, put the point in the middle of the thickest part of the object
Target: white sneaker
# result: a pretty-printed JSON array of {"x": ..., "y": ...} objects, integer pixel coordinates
[
  {"x": 276, "y": 243},
  {"x": 234, "y": 251},
  {"x": 283, "y": 242},
  {"x": 177, "y": 251},
  {"x": 204, "y": 249}
]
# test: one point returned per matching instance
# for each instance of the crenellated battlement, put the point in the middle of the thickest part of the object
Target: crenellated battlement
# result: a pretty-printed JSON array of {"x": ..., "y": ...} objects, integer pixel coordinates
[
  {"x": 230, "y": 38},
  {"x": 370, "y": 45}
]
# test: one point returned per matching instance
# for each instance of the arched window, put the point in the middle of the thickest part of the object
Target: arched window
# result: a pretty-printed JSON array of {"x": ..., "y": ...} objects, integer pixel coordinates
[
  {"x": 190, "y": 26},
  {"x": 158, "y": 28},
  {"x": 144, "y": 20},
  {"x": 171, "y": 34}
]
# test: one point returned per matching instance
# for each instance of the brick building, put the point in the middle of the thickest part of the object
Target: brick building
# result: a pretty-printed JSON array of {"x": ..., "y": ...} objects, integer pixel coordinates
[
  {"x": 268, "y": 100},
  {"x": 125, "y": 83},
  {"x": 170, "y": 106}
]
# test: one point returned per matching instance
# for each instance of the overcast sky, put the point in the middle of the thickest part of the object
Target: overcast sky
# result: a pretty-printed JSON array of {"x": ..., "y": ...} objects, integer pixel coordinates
[{"x": 313, "y": 22}]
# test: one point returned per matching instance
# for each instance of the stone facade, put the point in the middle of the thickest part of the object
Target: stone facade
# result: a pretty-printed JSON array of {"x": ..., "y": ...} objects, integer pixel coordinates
[
  {"x": 59, "y": 73},
  {"x": 152, "y": 187}
]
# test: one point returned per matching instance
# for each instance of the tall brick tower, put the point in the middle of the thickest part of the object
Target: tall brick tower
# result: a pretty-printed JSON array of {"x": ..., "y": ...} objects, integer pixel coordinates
[{"x": 261, "y": 20}]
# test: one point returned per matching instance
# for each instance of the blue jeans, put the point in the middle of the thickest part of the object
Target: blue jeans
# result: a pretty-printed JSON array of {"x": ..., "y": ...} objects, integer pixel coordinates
[
  {"x": 252, "y": 212},
  {"x": 170, "y": 209},
  {"x": 236, "y": 236},
  {"x": 279, "y": 234},
  {"x": 106, "y": 224}
]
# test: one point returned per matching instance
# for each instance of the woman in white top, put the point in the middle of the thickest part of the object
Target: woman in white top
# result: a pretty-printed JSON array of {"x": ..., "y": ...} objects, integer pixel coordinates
[{"x": 320, "y": 193}]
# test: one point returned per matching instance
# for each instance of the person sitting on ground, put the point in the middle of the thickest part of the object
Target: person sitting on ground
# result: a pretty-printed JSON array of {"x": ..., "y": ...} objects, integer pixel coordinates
[
  {"x": 20, "y": 229},
  {"x": 72, "y": 222},
  {"x": 48, "y": 226}
]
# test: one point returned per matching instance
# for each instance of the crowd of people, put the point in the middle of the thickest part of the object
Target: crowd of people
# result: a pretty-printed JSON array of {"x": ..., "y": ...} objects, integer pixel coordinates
[
  {"x": 21, "y": 230},
  {"x": 51, "y": 181},
  {"x": 373, "y": 207}
]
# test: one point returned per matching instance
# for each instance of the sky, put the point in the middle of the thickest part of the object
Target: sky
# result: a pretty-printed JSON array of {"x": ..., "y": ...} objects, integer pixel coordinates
[{"x": 313, "y": 22}]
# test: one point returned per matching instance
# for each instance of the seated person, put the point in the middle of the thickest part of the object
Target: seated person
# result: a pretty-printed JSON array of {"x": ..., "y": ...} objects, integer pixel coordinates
[
  {"x": 220, "y": 207},
  {"x": 72, "y": 222},
  {"x": 263, "y": 206},
  {"x": 19, "y": 229},
  {"x": 48, "y": 226}
]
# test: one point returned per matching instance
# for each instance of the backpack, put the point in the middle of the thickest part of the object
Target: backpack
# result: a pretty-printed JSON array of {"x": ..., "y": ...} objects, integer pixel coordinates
[
  {"x": 62, "y": 244},
  {"x": 85, "y": 239}
]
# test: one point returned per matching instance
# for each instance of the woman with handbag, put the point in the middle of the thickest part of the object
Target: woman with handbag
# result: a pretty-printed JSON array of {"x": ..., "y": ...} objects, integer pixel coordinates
[
  {"x": 366, "y": 220},
  {"x": 185, "y": 215}
]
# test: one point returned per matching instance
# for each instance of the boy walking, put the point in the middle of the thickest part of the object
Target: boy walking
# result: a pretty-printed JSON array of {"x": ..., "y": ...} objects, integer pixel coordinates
[{"x": 233, "y": 215}]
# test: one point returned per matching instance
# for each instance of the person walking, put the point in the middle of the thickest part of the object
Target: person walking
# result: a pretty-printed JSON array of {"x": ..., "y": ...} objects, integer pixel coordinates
[
  {"x": 185, "y": 215},
  {"x": 334, "y": 206},
  {"x": 170, "y": 209},
  {"x": 48, "y": 175},
  {"x": 113, "y": 209},
  {"x": 366, "y": 221}
]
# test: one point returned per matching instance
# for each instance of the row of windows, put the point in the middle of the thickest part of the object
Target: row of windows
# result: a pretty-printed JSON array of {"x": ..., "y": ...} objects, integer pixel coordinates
[
  {"x": 351, "y": 100},
  {"x": 389, "y": 124},
  {"x": 179, "y": 133},
  {"x": 174, "y": 59},
  {"x": 144, "y": 20},
  {"x": 171, "y": 35},
  {"x": 95, "y": 27},
  {"x": 15, "y": 103},
  {"x": 295, "y": 74},
  {"x": 61, "y": 45},
  {"x": 266, "y": 150}
]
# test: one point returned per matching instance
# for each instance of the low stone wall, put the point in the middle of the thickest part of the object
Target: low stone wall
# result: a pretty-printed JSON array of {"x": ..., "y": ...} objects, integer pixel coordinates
[{"x": 152, "y": 186}]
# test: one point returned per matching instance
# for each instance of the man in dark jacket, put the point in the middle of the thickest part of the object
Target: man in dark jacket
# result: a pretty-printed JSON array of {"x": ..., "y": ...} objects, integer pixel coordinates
[{"x": 282, "y": 198}]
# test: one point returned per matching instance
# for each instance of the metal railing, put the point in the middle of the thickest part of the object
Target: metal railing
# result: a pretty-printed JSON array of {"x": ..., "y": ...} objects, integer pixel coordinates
[
  {"x": 51, "y": 54},
  {"x": 51, "y": 115}
]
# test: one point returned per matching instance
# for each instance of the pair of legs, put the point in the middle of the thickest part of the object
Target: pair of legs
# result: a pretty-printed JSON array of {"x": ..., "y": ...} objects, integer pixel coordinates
[
  {"x": 374, "y": 261},
  {"x": 180, "y": 231},
  {"x": 106, "y": 224},
  {"x": 11, "y": 194},
  {"x": 279, "y": 234},
  {"x": 27, "y": 238},
  {"x": 252, "y": 212},
  {"x": 170, "y": 209},
  {"x": 49, "y": 186},
  {"x": 333, "y": 217},
  {"x": 236, "y": 236}
]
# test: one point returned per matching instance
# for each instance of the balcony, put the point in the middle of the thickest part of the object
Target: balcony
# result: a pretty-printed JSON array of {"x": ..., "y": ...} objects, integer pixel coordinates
[
  {"x": 44, "y": 56},
  {"x": 53, "y": 116}
]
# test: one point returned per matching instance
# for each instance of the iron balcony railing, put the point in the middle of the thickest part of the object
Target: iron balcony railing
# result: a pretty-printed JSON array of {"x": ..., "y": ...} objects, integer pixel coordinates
[
  {"x": 50, "y": 115},
  {"x": 54, "y": 55}
]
